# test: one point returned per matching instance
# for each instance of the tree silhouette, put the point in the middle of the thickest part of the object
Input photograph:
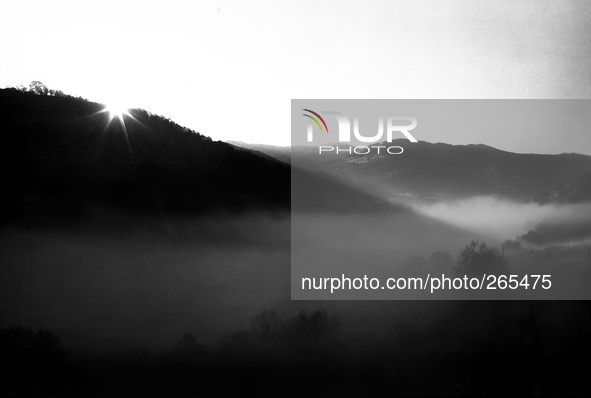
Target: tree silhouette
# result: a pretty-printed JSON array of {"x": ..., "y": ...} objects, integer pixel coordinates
[
  {"x": 187, "y": 347},
  {"x": 38, "y": 88},
  {"x": 479, "y": 258},
  {"x": 267, "y": 323}
]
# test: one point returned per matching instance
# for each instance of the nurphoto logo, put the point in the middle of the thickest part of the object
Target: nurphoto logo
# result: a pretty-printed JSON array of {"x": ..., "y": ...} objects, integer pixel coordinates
[{"x": 392, "y": 126}]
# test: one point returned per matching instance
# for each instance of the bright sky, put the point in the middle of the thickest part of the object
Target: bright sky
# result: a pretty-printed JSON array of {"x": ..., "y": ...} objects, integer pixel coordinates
[{"x": 228, "y": 69}]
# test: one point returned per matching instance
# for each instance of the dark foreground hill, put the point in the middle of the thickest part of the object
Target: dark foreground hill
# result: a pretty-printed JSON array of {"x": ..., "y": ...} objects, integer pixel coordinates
[{"x": 62, "y": 155}]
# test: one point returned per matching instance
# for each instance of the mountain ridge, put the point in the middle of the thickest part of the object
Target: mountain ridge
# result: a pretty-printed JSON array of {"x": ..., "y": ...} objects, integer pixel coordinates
[{"x": 446, "y": 171}]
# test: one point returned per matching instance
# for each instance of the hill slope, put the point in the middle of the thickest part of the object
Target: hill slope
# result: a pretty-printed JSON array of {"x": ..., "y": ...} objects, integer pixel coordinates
[
  {"x": 281, "y": 153},
  {"x": 574, "y": 192},
  {"x": 63, "y": 155}
]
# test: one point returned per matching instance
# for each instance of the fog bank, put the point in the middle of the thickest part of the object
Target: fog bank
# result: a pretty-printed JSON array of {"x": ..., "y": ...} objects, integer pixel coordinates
[{"x": 504, "y": 219}]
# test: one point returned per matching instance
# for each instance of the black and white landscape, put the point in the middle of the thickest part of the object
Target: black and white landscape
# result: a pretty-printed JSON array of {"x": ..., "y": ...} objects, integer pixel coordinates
[
  {"x": 161, "y": 261},
  {"x": 147, "y": 200}
]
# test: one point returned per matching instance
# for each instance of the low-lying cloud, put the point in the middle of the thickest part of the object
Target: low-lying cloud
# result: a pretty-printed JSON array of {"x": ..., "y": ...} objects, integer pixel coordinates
[{"x": 503, "y": 218}]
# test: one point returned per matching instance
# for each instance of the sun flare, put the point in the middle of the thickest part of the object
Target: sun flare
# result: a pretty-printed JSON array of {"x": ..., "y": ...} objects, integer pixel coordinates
[{"x": 116, "y": 110}]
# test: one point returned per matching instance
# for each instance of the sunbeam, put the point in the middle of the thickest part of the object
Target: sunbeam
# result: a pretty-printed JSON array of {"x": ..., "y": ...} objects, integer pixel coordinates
[
  {"x": 116, "y": 110},
  {"x": 119, "y": 111}
]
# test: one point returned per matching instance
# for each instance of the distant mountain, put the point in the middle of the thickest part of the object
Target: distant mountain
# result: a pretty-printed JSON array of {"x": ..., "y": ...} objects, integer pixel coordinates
[
  {"x": 443, "y": 171},
  {"x": 62, "y": 155}
]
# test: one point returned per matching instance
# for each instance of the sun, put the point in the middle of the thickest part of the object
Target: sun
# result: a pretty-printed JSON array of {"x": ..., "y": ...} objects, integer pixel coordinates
[{"x": 116, "y": 110}]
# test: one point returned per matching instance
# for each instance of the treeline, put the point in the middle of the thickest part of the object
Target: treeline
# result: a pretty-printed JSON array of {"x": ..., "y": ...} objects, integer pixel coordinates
[
  {"x": 39, "y": 88},
  {"x": 421, "y": 349}
]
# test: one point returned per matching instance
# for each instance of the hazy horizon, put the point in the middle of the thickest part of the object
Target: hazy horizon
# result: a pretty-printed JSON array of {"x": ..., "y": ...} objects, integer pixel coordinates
[{"x": 424, "y": 141}]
